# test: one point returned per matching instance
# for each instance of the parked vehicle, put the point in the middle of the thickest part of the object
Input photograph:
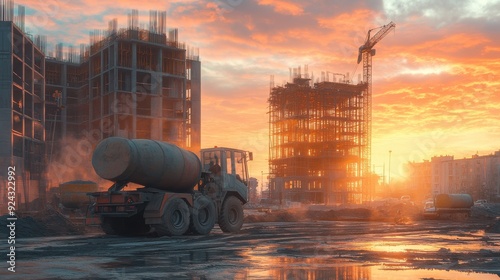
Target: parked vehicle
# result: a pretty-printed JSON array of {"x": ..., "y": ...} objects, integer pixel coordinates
[
  {"x": 448, "y": 205},
  {"x": 480, "y": 202},
  {"x": 406, "y": 199}
]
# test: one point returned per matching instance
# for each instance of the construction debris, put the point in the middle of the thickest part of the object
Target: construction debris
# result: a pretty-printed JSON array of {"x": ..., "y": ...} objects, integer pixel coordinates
[
  {"x": 48, "y": 222},
  {"x": 494, "y": 227},
  {"x": 388, "y": 213}
]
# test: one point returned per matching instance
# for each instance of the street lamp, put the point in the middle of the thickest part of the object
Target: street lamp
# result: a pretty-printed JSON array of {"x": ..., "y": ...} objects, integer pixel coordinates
[
  {"x": 389, "y": 181},
  {"x": 262, "y": 184}
]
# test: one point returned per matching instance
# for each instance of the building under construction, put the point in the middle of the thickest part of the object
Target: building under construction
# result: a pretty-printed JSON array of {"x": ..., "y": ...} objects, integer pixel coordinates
[
  {"x": 320, "y": 135},
  {"x": 319, "y": 148},
  {"x": 131, "y": 82}
]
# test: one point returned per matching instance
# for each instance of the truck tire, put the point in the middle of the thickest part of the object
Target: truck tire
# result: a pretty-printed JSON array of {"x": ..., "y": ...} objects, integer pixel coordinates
[
  {"x": 231, "y": 215},
  {"x": 175, "y": 218},
  {"x": 202, "y": 215}
]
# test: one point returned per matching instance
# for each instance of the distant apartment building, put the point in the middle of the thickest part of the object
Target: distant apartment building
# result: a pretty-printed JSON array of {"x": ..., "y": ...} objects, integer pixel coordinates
[
  {"x": 253, "y": 185},
  {"x": 129, "y": 82},
  {"x": 477, "y": 175},
  {"x": 420, "y": 178}
]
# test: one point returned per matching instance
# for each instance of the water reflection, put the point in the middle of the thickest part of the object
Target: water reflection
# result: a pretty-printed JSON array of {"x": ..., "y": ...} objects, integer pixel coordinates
[
  {"x": 285, "y": 268},
  {"x": 263, "y": 265},
  {"x": 427, "y": 243},
  {"x": 398, "y": 247},
  {"x": 354, "y": 272}
]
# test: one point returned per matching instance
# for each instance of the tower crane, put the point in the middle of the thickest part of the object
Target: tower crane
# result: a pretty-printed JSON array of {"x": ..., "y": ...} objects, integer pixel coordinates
[{"x": 366, "y": 51}]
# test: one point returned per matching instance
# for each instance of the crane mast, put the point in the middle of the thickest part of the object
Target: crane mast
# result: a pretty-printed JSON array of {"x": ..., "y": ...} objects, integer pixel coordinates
[{"x": 366, "y": 52}]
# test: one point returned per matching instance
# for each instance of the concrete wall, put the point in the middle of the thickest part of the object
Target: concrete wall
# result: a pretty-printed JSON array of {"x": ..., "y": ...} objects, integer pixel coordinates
[{"x": 5, "y": 90}]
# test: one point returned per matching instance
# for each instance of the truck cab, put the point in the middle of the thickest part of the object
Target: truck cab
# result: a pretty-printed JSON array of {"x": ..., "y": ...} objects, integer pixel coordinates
[
  {"x": 430, "y": 209},
  {"x": 225, "y": 182},
  {"x": 227, "y": 169}
]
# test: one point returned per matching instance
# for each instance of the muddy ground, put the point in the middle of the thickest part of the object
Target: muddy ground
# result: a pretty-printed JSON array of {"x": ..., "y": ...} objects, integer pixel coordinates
[{"x": 293, "y": 244}]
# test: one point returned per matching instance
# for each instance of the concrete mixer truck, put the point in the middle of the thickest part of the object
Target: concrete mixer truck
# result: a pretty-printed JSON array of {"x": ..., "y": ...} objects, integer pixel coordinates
[
  {"x": 448, "y": 205},
  {"x": 178, "y": 193}
]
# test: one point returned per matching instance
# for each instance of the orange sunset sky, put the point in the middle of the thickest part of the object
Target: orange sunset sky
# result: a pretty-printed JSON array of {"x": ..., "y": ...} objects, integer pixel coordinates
[{"x": 435, "y": 79}]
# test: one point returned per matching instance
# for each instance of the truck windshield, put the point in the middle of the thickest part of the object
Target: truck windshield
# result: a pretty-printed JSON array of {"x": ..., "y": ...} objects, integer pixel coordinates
[{"x": 211, "y": 162}]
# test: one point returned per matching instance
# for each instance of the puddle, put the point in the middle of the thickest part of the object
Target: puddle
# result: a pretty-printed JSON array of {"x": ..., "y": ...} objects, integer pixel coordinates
[
  {"x": 282, "y": 268},
  {"x": 280, "y": 251},
  {"x": 290, "y": 268}
]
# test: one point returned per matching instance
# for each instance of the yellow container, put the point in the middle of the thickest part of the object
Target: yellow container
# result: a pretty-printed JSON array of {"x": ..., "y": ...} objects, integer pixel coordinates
[{"x": 74, "y": 193}]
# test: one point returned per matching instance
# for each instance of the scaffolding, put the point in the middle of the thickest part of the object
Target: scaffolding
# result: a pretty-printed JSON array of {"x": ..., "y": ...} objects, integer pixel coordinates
[{"x": 317, "y": 139}]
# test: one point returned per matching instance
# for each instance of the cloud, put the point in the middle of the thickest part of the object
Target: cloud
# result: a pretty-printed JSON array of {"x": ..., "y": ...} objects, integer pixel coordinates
[
  {"x": 284, "y": 7},
  {"x": 442, "y": 13}
]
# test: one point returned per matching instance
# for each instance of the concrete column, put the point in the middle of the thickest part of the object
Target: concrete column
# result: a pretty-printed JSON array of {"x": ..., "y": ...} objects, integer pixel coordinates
[
  {"x": 195, "y": 105},
  {"x": 64, "y": 99},
  {"x": 134, "y": 91},
  {"x": 115, "y": 64},
  {"x": 159, "y": 73}
]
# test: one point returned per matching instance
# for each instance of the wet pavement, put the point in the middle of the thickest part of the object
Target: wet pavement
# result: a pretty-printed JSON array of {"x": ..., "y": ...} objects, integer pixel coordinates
[{"x": 298, "y": 250}]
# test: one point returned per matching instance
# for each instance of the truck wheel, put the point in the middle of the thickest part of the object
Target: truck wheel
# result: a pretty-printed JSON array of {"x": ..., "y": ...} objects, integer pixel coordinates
[
  {"x": 202, "y": 216},
  {"x": 175, "y": 218},
  {"x": 231, "y": 215}
]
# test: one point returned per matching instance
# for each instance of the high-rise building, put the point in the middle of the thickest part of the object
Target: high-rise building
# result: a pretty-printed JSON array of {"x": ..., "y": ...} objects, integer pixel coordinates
[{"x": 22, "y": 112}]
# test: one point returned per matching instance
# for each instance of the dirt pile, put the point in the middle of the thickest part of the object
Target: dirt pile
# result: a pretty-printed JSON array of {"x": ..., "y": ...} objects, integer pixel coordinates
[
  {"x": 295, "y": 215},
  {"x": 487, "y": 211},
  {"x": 395, "y": 211},
  {"x": 48, "y": 222},
  {"x": 276, "y": 216},
  {"x": 387, "y": 213},
  {"x": 494, "y": 227},
  {"x": 346, "y": 214}
]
